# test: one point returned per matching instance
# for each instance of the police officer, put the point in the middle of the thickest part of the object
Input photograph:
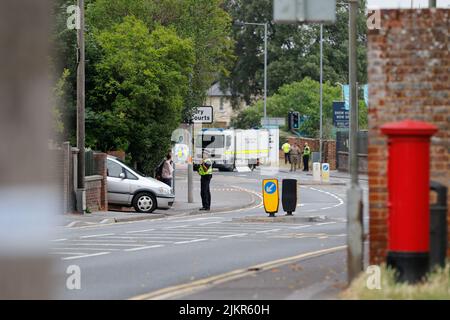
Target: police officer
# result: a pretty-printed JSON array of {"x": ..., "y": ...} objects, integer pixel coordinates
[
  {"x": 205, "y": 171},
  {"x": 306, "y": 155},
  {"x": 286, "y": 149}
]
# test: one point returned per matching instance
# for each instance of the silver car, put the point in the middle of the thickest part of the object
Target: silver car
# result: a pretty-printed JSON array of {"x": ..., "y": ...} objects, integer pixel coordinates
[{"x": 128, "y": 188}]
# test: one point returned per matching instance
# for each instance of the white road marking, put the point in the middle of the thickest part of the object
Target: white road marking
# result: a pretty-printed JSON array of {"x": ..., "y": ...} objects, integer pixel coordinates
[
  {"x": 86, "y": 256},
  {"x": 87, "y": 249},
  {"x": 68, "y": 253},
  {"x": 71, "y": 224},
  {"x": 199, "y": 219},
  {"x": 301, "y": 227},
  {"x": 207, "y": 223},
  {"x": 265, "y": 231},
  {"x": 176, "y": 237},
  {"x": 144, "y": 248},
  {"x": 191, "y": 241},
  {"x": 58, "y": 240},
  {"x": 105, "y": 220},
  {"x": 234, "y": 235},
  {"x": 324, "y": 223},
  {"x": 139, "y": 231},
  {"x": 100, "y": 240},
  {"x": 176, "y": 227},
  {"x": 97, "y": 235},
  {"x": 105, "y": 244}
]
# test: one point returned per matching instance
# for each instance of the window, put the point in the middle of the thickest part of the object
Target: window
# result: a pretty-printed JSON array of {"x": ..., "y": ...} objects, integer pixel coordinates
[
  {"x": 221, "y": 106},
  {"x": 130, "y": 176},
  {"x": 210, "y": 141},
  {"x": 114, "y": 169},
  {"x": 228, "y": 141}
]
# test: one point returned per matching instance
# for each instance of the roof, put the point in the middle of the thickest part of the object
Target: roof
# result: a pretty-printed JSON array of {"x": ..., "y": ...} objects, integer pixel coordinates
[{"x": 215, "y": 91}]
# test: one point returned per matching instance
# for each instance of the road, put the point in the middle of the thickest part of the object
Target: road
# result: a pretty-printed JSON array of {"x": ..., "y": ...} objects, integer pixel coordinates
[{"x": 124, "y": 260}]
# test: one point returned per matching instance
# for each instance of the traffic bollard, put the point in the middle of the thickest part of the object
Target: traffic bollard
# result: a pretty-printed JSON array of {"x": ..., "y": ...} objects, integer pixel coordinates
[{"x": 289, "y": 196}]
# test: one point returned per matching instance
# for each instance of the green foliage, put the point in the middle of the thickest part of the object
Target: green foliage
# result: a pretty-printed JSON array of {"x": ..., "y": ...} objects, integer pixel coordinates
[
  {"x": 293, "y": 50},
  {"x": 140, "y": 83},
  {"x": 301, "y": 96},
  {"x": 147, "y": 64},
  {"x": 58, "y": 100},
  {"x": 304, "y": 97},
  {"x": 202, "y": 21}
]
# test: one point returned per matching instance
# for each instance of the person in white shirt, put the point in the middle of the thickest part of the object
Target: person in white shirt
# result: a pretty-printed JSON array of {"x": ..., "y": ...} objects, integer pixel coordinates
[{"x": 167, "y": 171}]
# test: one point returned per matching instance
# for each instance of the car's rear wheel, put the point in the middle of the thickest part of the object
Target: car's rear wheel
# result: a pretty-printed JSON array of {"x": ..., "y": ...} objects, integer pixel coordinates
[{"x": 144, "y": 202}]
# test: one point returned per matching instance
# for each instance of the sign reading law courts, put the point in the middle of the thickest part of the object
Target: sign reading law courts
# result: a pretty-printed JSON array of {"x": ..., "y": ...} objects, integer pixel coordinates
[
  {"x": 341, "y": 116},
  {"x": 203, "y": 115}
]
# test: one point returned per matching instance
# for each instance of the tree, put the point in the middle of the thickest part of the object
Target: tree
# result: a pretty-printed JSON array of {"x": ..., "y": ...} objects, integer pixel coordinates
[
  {"x": 139, "y": 85},
  {"x": 204, "y": 22},
  {"x": 293, "y": 50},
  {"x": 302, "y": 97}
]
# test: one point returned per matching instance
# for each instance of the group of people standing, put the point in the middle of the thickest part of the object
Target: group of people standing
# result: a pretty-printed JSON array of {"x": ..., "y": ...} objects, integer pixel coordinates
[{"x": 292, "y": 154}]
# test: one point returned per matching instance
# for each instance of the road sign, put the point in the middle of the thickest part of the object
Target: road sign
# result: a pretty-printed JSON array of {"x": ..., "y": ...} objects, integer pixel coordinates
[
  {"x": 341, "y": 116},
  {"x": 313, "y": 11},
  {"x": 203, "y": 115},
  {"x": 325, "y": 172},
  {"x": 181, "y": 153},
  {"x": 271, "y": 196},
  {"x": 265, "y": 122}
]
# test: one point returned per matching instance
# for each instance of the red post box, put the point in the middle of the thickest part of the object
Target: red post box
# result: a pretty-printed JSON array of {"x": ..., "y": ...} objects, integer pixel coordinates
[{"x": 409, "y": 201}]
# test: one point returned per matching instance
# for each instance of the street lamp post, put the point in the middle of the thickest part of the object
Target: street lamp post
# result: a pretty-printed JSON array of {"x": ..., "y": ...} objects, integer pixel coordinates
[
  {"x": 81, "y": 112},
  {"x": 321, "y": 92},
  {"x": 354, "y": 193},
  {"x": 265, "y": 59}
]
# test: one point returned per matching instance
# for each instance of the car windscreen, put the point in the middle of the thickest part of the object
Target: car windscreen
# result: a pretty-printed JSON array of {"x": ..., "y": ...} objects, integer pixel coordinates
[{"x": 210, "y": 141}]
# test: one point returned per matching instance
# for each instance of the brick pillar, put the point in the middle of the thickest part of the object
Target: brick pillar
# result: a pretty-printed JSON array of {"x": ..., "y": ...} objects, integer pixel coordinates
[{"x": 100, "y": 164}]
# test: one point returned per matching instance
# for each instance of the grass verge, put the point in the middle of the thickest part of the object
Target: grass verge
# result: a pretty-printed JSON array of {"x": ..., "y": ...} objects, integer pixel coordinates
[{"x": 436, "y": 286}]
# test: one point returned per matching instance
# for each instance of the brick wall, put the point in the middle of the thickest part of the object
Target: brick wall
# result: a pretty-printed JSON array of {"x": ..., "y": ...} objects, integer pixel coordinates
[
  {"x": 93, "y": 186},
  {"x": 329, "y": 149},
  {"x": 119, "y": 154},
  {"x": 100, "y": 165},
  {"x": 408, "y": 71}
]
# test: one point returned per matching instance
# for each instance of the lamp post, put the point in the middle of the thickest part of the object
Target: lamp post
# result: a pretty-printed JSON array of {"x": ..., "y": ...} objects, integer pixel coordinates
[
  {"x": 265, "y": 58},
  {"x": 354, "y": 193},
  {"x": 321, "y": 91}
]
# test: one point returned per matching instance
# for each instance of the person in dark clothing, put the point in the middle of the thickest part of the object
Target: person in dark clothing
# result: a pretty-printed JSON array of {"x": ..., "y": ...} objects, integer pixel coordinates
[
  {"x": 205, "y": 171},
  {"x": 306, "y": 155}
]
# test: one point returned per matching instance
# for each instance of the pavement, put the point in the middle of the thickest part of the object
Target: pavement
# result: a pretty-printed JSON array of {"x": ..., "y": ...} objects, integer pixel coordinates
[{"x": 306, "y": 178}]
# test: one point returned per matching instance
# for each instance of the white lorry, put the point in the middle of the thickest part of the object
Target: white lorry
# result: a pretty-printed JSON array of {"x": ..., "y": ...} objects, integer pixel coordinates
[{"x": 232, "y": 148}]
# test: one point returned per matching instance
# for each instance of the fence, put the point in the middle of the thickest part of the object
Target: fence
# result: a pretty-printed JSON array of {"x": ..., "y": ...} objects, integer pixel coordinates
[{"x": 342, "y": 150}]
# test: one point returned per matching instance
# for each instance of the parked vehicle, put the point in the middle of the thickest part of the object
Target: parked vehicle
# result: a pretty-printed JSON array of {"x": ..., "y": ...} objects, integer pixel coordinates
[
  {"x": 127, "y": 187},
  {"x": 229, "y": 148}
]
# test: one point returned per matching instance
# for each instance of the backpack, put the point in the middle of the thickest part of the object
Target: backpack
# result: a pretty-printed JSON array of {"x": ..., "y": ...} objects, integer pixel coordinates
[{"x": 158, "y": 170}]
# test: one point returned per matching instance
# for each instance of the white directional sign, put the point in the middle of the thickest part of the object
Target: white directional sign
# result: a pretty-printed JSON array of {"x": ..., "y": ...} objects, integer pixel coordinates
[
  {"x": 203, "y": 115},
  {"x": 293, "y": 11},
  {"x": 267, "y": 122}
]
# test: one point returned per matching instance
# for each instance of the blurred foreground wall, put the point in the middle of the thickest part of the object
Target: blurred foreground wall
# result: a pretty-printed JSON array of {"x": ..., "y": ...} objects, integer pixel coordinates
[{"x": 27, "y": 195}]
